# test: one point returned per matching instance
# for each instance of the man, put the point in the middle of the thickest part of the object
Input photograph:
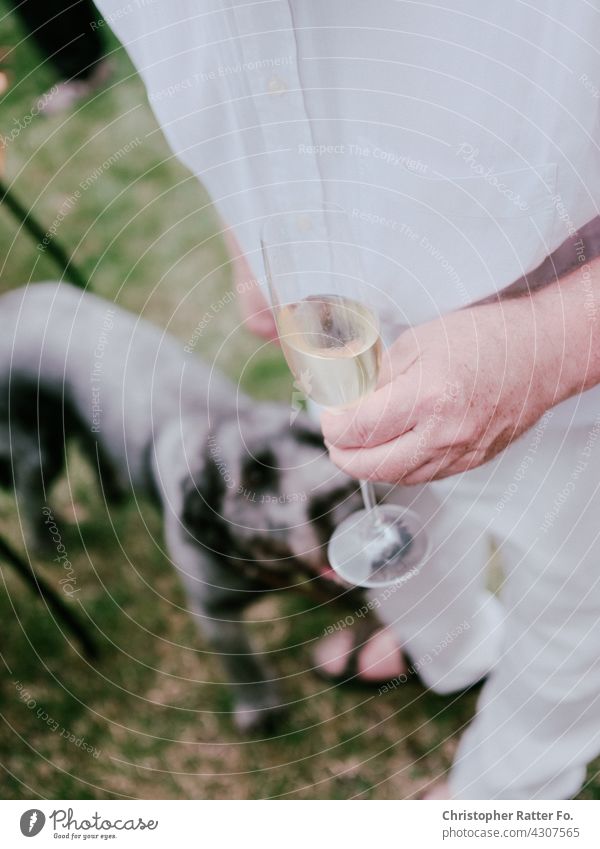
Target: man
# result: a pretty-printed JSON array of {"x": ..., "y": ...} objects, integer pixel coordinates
[{"x": 462, "y": 138}]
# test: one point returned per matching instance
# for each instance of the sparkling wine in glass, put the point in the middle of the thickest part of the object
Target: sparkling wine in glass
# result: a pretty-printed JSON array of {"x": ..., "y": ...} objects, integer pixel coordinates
[{"x": 332, "y": 344}]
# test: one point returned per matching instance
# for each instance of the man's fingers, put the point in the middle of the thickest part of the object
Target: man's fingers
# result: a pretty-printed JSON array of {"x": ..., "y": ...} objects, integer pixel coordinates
[
  {"x": 262, "y": 324},
  {"x": 433, "y": 470},
  {"x": 389, "y": 463},
  {"x": 381, "y": 416},
  {"x": 398, "y": 359}
]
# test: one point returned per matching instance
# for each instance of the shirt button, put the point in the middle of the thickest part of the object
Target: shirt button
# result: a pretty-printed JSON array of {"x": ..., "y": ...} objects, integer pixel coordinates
[
  {"x": 276, "y": 86},
  {"x": 304, "y": 223}
]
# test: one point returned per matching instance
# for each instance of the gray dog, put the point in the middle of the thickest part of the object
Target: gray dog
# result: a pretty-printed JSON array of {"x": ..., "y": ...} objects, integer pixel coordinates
[{"x": 248, "y": 501}]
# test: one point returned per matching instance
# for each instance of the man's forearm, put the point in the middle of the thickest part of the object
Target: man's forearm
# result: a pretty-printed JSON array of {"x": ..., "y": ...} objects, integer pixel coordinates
[
  {"x": 567, "y": 321},
  {"x": 560, "y": 304},
  {"x": 581, "y": 247}
]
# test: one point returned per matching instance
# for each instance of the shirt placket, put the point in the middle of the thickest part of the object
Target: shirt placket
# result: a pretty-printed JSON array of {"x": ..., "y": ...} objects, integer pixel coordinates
[{"x": 267, "y": 47}]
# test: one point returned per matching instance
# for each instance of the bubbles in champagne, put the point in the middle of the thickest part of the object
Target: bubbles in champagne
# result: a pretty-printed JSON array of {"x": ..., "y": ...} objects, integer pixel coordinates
[{"x": 333, "y": 347}]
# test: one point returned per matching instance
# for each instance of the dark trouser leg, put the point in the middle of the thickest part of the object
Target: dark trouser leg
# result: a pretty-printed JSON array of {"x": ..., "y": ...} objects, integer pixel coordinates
[{"x": 64, "y": 32}]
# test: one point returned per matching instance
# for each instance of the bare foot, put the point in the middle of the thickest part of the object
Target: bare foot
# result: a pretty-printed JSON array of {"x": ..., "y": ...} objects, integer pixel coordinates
[
  {"x": 378, "y": 659},
  {"x": 436, "y": 791}
]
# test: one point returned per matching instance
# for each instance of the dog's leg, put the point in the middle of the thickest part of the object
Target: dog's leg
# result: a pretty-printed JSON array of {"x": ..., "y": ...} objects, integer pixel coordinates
[
  {"x": 217, "y": 602},
  {"x": 35, "y": 468},
  {"x": 257, "y": 702},
  {"x": 111, "y": 487}
]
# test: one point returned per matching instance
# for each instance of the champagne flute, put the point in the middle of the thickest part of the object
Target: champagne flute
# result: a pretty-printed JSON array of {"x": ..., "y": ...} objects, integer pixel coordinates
[{"x": 330, "y": 338}]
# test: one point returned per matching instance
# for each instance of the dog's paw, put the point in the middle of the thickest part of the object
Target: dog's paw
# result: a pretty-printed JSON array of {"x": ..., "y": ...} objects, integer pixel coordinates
[{"x": 252, "y": 719}]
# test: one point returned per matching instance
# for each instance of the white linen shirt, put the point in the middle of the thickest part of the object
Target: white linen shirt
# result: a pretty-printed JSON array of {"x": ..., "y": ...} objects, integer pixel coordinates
[{"x": 461, "y": 136}]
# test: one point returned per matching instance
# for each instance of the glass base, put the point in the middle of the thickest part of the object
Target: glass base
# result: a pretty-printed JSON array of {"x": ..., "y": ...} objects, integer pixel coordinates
[{"x": 378, "y": 548}]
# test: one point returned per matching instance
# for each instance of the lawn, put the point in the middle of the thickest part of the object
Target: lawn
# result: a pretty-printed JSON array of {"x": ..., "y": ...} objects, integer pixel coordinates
[{"x": 150, "y": 718}]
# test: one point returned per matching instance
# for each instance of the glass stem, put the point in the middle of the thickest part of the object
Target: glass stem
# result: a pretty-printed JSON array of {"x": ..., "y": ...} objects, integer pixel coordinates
[{"x": 368, "y": 494}]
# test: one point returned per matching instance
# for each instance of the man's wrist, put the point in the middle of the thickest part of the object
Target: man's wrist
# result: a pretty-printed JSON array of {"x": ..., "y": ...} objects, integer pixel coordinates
[
  {"x": 566, "y": 321},
  {"x": 532, "y": 328}
]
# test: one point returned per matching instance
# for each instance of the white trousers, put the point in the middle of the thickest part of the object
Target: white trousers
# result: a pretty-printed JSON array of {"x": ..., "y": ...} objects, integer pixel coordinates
[{"x": 538, "y": 640}]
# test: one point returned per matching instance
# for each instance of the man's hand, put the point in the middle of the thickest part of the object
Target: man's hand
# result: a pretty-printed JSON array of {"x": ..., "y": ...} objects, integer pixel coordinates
[
  {"x": 453, "y": 393},
  {"x": 256, "y": 313}
]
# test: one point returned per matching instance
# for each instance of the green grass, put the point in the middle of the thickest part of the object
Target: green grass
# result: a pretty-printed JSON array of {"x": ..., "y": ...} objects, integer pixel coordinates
[{"x": 154, "y": 705}]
